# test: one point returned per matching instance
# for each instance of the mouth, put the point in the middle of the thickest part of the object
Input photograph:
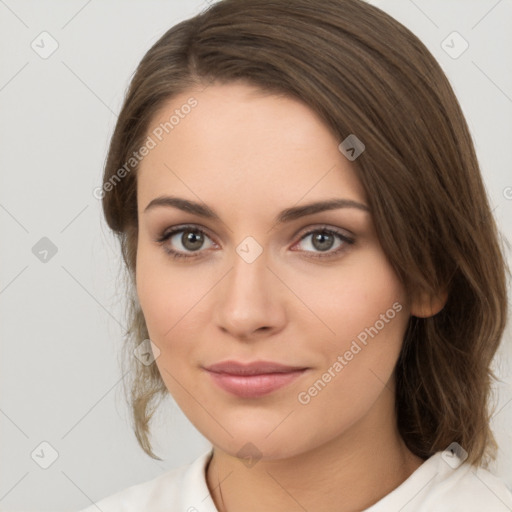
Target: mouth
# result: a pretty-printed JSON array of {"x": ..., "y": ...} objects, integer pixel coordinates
[{"x": 255, "y": 379}]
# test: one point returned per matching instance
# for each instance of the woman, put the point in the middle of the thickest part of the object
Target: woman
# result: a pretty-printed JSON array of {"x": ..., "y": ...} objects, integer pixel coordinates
[{"x": 313, "y": 263}]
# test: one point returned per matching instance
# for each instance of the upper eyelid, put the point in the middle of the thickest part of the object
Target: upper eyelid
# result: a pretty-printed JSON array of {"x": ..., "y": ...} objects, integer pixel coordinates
[{"x": 184, "y": 227}]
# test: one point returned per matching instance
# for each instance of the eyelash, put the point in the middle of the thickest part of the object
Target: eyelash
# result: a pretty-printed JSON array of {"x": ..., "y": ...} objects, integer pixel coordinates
[{"x": 166, "y": 235}]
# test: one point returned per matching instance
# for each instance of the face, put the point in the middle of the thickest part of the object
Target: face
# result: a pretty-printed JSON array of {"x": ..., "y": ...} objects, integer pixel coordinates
[{"x": 234, "y": 268}]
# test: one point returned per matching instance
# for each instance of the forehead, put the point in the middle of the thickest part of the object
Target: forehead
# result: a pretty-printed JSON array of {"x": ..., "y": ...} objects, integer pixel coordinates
[{"x": 234, "y": 140}]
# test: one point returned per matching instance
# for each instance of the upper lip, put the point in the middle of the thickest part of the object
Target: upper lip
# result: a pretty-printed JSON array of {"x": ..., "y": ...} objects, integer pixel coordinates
[{"x": 252, "y": 368}]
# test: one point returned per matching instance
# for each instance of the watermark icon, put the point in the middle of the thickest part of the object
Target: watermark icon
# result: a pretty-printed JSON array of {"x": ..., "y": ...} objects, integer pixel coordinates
[
  {"x": 249, "y": 249},
  {"x": 44, "y": 455},
  {"x": 44, "y": 250},
  {"x": 351, "y": 147},
  {"x": 454, "y": 45},
  {"x": 454, "y": 455},
  {"x": 150, "y": 143},
  {"x": 147, "y": 352},
  {"x": 45, "y": 45},
  {"x": 304, "y": 397},
  {"x": 249, "y": 454},
  {"x": 507, "y": 193}
]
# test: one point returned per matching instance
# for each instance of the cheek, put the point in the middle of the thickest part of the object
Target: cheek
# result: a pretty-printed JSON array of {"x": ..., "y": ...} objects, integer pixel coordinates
[
  {"x": 165, "y": 293},
  {"x": 169, "y": 298},
  {"x": 352, "y": 297},
  {"x": 365, "y": 307},
  {"x": 174, "y": 301}
]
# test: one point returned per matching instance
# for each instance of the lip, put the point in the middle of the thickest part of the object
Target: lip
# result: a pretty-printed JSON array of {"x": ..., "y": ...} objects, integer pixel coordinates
[{"x": 255, "y": 379}]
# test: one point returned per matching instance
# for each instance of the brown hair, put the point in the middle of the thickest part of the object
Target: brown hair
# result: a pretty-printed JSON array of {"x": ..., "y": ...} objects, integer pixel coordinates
[{"x": 366, "y": 74}]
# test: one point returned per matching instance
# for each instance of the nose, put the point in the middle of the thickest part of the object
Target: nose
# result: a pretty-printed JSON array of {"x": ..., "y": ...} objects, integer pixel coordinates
[{"x": 249, "y": 302}]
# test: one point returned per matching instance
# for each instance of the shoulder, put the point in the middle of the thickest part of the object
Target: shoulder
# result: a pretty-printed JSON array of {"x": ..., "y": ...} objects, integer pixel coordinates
[
  {"x": 182, "y": 489},
  {"x": 445, "y": 484},
  {"x": 472, "y": 488}
]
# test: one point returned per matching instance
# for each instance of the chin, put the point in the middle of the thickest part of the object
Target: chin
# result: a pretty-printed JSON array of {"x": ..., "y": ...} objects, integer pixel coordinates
[
  {"x": 256, "y": 443},
  {"x": 251, "y": 451}
]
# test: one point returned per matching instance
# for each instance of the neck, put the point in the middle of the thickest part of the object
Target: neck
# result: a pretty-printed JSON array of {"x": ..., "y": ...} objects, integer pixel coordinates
[{"x": 347, "y": 474}]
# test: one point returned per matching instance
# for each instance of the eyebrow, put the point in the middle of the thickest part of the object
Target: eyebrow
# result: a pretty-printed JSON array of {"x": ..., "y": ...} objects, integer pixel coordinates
[{"x": 286, "y": 215}]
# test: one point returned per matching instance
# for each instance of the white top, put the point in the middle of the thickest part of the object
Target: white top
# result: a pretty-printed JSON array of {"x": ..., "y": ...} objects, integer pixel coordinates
[{"x": 440, "y": 484}]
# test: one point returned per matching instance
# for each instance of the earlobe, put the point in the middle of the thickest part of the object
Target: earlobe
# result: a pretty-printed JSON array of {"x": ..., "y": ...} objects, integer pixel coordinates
[{"x": 427, "y": 305}]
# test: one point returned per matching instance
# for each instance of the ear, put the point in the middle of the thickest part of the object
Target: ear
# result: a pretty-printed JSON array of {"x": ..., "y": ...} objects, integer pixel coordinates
[{"x": 427, "y": 305}]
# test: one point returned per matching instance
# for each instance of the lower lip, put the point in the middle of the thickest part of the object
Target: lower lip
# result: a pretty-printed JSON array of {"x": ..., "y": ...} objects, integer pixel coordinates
[{"x": 254, "y": 386}]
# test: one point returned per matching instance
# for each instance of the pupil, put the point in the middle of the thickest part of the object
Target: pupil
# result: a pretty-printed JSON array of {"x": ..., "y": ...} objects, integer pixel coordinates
[
  {"x": 192, "y": 240},
  {"x": 319, "y": 241}
]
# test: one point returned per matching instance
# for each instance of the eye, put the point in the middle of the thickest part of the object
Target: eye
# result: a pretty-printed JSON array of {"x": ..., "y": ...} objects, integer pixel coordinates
[
  {"x": 326, "y": 242},
  {"x": 183, "y": 240},
  {"x": 188, "y": 242}
]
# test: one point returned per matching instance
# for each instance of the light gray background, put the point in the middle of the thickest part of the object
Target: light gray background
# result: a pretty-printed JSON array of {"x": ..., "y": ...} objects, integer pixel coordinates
[{"x": 61, "y": 321}]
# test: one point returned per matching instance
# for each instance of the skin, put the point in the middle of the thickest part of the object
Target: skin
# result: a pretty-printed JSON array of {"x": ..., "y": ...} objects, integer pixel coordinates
[{"x": 248, "y": 155}]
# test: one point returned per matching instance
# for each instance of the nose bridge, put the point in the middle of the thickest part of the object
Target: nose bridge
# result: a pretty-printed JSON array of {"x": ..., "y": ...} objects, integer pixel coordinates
[
  {"x": 248, "y": 279},
  {"x": 249, "y": 299}
]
